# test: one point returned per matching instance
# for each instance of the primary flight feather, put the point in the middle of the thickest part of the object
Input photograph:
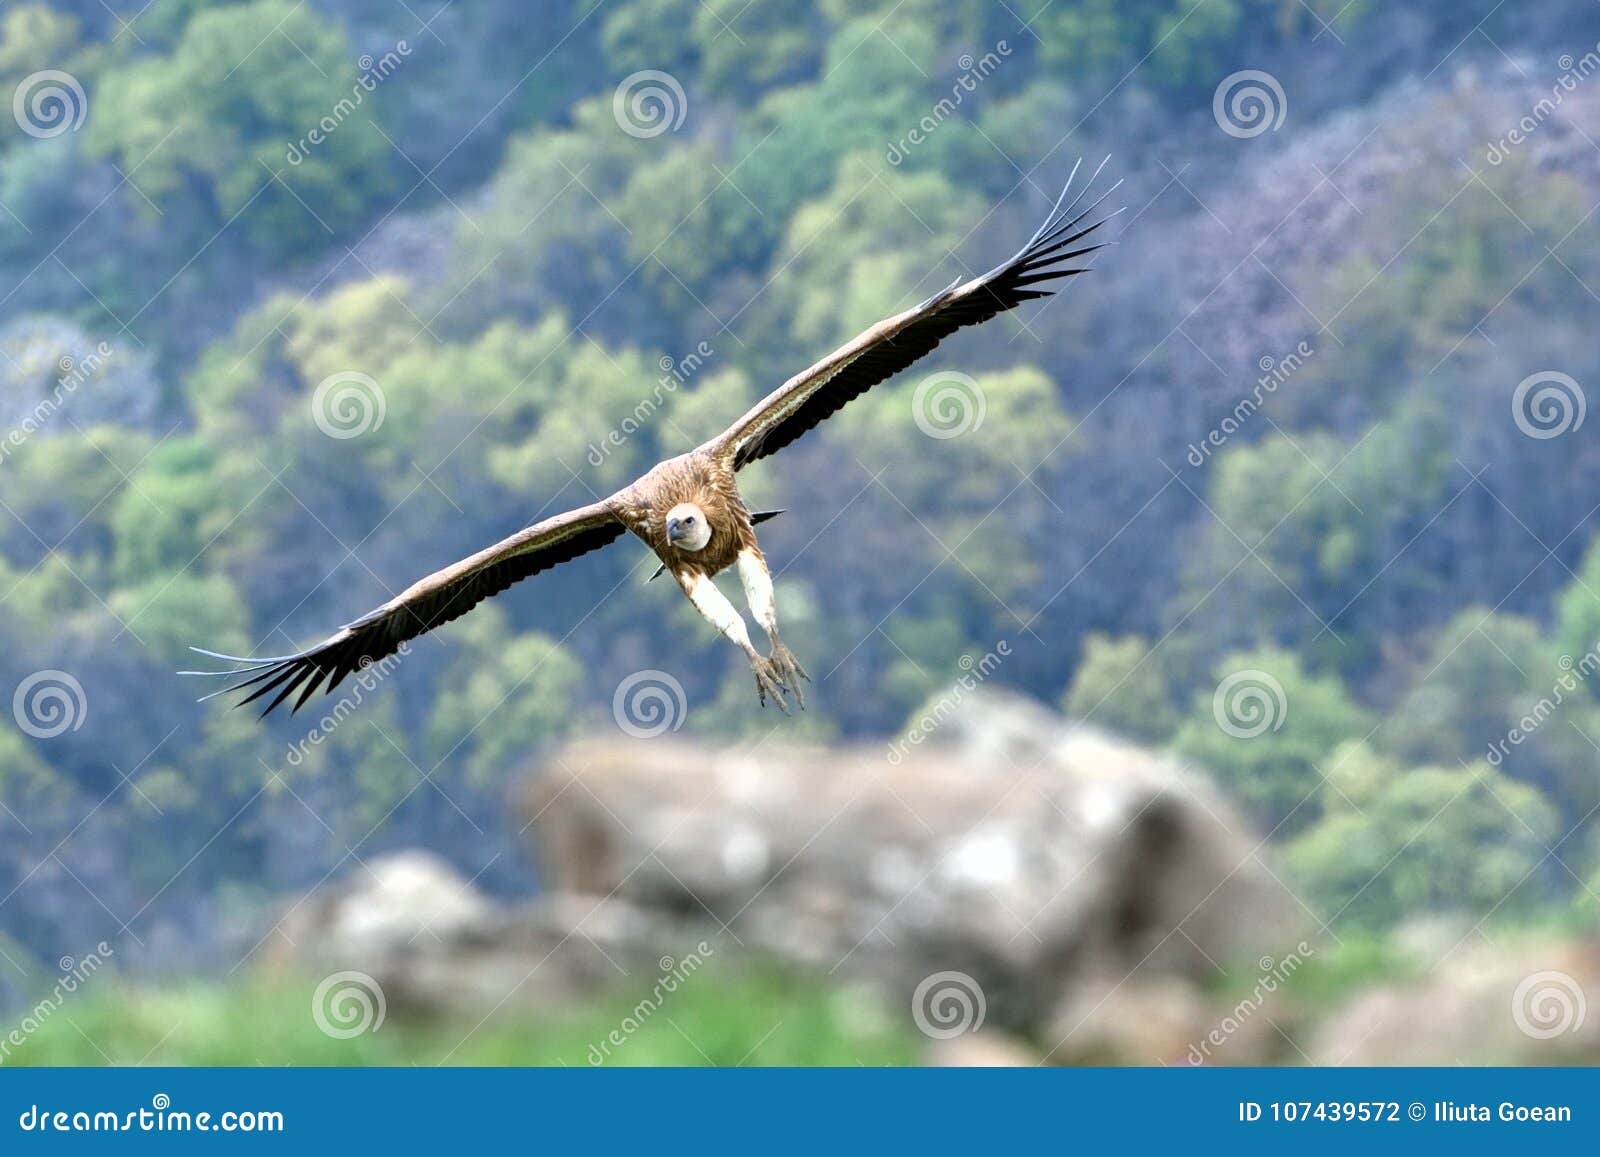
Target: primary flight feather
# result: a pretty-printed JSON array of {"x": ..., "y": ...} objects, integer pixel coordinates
[{"x": 688, "y": 509}]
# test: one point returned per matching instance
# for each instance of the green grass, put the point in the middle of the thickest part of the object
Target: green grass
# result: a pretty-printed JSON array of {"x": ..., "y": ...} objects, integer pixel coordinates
[
  {"x": 759, "y": 1019},
  {"x": 1338, "y": 971}
]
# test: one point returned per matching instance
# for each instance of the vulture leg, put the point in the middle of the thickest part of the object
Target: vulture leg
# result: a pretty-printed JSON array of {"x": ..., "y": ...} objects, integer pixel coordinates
[
  {"x": 721, "y": 614},
  {"x": 757, "y": 582}
]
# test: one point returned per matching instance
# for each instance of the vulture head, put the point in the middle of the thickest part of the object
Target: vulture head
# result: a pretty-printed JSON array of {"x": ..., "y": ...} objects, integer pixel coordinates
[{"x": 687, "y": 527}]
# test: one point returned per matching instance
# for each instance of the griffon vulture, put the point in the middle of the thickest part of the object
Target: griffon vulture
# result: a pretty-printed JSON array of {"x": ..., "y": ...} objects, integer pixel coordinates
[{"x": 688, "y": 509}]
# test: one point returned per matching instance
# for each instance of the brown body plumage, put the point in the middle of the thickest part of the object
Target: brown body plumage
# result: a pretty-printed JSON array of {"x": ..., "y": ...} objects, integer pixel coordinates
[
  {"x": 676, "y": 502},
  {"x": 700, "y": 479}
]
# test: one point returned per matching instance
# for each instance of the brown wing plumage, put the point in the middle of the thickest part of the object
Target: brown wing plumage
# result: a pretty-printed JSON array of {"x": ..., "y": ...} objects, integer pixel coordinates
[
  {"x": 895, "y": 343},
  {"x": 445, "y": 595}
]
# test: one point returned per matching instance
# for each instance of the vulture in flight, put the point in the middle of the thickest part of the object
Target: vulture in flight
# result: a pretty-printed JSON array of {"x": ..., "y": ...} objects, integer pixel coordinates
[{"x": 688, "y": 509}]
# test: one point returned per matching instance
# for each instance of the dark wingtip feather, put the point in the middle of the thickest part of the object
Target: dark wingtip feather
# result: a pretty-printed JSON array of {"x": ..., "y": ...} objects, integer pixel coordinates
[
  {"x": 310, "y": 689},
  {"x": 277, "y": 679},
  {"x": 289, "y": 688},
  {"x": 1053, "y": 221},
  {"x": 971, "y": 302}
]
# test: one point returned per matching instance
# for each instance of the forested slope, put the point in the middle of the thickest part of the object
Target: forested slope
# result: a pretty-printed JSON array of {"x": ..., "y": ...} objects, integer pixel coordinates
[{"x": 307, "y": 370}]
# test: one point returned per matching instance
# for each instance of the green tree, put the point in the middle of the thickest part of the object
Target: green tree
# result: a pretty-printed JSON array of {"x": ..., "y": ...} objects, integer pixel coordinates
[
  {"x": 1396, "y": 841},
  {"x": 1577, "y": 632},
  {"x": 748, "y": 48},
  {"x": 503, "y": 697},
  {"x": 688, "y": 227},
  {"x": 169, "y": 512},
  {"x": 1493, "y": 687},
  {"x": 1267, "y": 729},
  {"x": 230, "y": 111},
  {"x": 651, "y": 34},
  {"x": 1121, "y": 684},
  {"x": 1481, "y": 673},
  {"x": 34, "y": 36},
  {"x": 545, "y": 238},
  {"x": 172, "y": 612},
  {"x": 1305, "y": 529}
]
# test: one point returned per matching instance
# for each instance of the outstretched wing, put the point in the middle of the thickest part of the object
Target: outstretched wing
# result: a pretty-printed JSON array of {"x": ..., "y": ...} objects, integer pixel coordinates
[
  {"x": 893, "y": 344},
  {"x": 442, "y": 596}
]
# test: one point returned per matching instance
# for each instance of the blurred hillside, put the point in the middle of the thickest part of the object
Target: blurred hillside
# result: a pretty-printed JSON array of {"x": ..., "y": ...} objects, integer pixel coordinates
[{"x": 303, "y": 300}]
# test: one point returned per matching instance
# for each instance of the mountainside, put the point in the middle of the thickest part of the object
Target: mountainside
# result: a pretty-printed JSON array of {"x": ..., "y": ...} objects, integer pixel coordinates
[{"x": 306, "y": 300}]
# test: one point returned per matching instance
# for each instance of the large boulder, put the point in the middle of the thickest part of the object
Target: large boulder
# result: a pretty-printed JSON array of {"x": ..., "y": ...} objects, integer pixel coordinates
[{"x": 1008, "y": 849}]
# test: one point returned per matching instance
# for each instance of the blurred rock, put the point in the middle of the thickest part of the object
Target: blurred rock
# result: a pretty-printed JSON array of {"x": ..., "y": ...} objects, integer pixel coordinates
[
  {"x": 1488, "y": 1004},
  {"x": 986, "y": 1049},
  {"x": 1107, "y": 1022},
  {"x": 390, "y": 905},
  {"x": 1161, "y": 1021},
  {"x": 1012, "y": 848},
  {"x": 434, "y": 943}
]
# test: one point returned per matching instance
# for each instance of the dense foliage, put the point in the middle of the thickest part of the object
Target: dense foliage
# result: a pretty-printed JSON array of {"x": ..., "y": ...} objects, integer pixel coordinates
[{"x": 478, "y": 261}]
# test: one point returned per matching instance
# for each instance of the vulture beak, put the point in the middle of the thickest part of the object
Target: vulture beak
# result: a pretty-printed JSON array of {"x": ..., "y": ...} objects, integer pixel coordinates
[{"x": 673, "y": 526}]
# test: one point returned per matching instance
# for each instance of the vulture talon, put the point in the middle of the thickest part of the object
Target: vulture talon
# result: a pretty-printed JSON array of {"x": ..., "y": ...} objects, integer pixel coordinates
[
  {"x": 768, "y": 681},
  {"x": 790, "y": 671}
]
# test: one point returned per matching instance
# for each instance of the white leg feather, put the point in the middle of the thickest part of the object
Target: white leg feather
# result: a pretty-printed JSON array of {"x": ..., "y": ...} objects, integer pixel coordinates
[
  {"x": 718, "y": 611},
  {"x": 757, "y": 581},
  {"x": 721, "y": 614}
]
